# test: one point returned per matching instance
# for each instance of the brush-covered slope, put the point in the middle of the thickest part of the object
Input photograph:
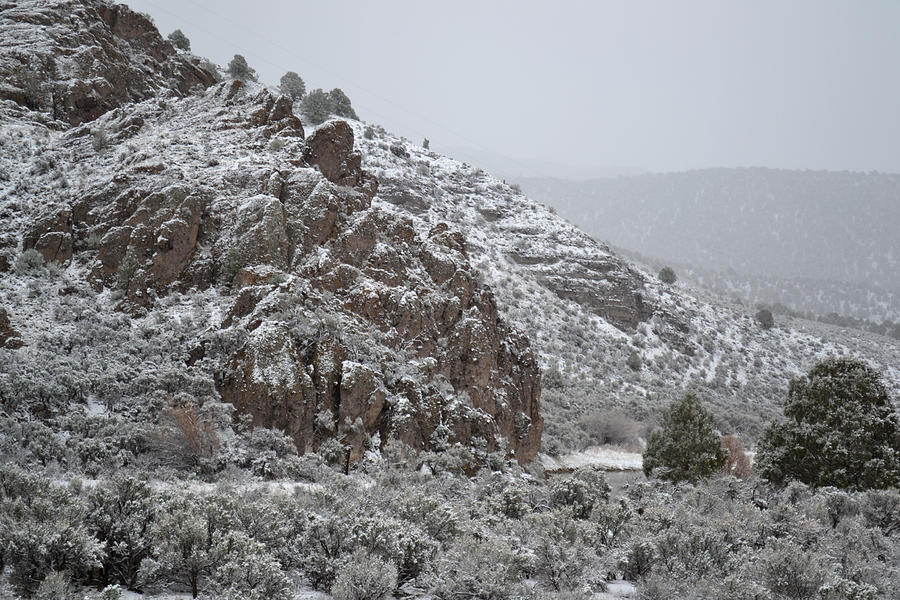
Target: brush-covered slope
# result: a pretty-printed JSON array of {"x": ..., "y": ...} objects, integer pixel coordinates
[
  {"x": 196, "y": 254},
  {"x": 815, "y": 240},
  {"x": 587, "y": 310}
]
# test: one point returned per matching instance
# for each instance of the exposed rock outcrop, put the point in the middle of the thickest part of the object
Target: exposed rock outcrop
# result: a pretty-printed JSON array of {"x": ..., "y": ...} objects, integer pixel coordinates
[
  {"x": 77, "y": 59},
  {"x": 358, "y": 326},
  {"x": 330, "y": 148},
  {"x": 9, "y": 337}
]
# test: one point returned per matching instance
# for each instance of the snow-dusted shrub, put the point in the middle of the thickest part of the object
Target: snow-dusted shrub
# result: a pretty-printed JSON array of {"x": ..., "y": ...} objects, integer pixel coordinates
[
  {"x": 471, "y": 567},
  {"x": 55, "y": 586},
  {"x": 120, "y": 515},
  {"x": 610, "y": 427},
  {"x": 364, "y": 577},
  {"x": 512, "y": 501},
  {"x": 248, "y": 571},
  {"x": 369, "y": 132},
  {"x": 186, "y": 537},
  {"x": 560, "y": 551},
  {"x": 737, "y": 463},
  {"x": 29, "y": 262},
  {"x": 580, "y": 491},
  {"x": 789, "y": 571},
  {"x": 42, "y": 531}
]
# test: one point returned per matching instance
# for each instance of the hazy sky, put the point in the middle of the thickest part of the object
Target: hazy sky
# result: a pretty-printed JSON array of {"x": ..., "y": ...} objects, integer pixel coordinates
[{"x": 660, "y": 85}]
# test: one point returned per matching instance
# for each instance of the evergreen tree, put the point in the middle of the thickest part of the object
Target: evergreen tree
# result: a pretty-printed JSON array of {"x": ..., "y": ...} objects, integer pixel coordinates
[
  {"x": 841, "y": 430},
  {"x": 341, "y": 104},
  {"x": 239, "y": 69},
  {"x": 765, "y": 318},
  {"x": 179, "y": 40},
  {"x": 317, "y": 106},
  {"x": 686, "y": 448},
  {"x": 667, "y": 275},
  {"x": 292, "y": 86}
]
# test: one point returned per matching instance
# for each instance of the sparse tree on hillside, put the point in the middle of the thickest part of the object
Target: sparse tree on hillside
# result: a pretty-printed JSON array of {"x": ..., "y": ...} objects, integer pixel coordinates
[
  {"x": 686, "y": 448},
  {"x": 765, "y": 318},
  {"x": 426, "y": 143},
  {"x": 340, "y": 104},
  {"x": 179, "y": 40},
  {"x": 239, "y": 69},
  {"x": 667, "y": 275},
  {"x": 317, "y": 106},
  {"x": 292, "y": 86},
  {"x": 841, "y": 430}
]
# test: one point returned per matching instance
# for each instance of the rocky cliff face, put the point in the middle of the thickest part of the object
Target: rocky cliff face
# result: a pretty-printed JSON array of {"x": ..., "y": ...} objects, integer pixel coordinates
[
  {"x": 75, "y": 60},
  {"x": 346, "y": 321}
]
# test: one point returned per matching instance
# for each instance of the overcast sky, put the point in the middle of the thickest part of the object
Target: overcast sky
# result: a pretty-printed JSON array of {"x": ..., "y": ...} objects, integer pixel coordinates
[{"x": 658, "y": 85}]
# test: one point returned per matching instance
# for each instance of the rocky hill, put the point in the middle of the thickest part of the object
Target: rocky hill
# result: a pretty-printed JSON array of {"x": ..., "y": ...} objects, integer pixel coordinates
[
  {"x": 200, "y": 255},
  {"x": 588, "y": 311},
  {"x": 813, "y": 240},
  {"x": 315, "y": 311}
]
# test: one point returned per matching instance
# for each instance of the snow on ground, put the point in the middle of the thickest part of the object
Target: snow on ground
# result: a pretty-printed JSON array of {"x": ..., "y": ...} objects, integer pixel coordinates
[{"x": 607, "y": 458}]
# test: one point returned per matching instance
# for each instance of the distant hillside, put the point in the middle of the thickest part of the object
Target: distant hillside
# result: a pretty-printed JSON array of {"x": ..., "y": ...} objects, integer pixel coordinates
[{"x": 835, "y": 231}]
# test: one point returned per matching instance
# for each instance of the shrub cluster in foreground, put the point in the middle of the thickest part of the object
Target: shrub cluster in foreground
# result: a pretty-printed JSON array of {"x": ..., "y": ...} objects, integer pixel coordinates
[{"x": 388, "y": 528}]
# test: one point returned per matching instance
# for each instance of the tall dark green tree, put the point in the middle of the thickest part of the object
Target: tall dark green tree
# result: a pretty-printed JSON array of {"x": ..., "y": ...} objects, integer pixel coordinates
[
  {"x": 292, "y": 86},
  {"x": 179, "y": 40},
  {"x": 841, "y": 430},
  {"x": 317, "y": 106},
  {"x": 239, "y": 69},
  {"x": 686, "y": 448},
  {"x": 341, "y": 104}
]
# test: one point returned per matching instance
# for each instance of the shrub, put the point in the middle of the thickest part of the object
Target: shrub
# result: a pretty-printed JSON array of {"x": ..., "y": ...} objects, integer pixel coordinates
[
  {"x": 239, "y": 69},
  {"x": 120, "y": 514},
  {"x": 179, "y": 40},
  {"x": 340, "y": 104},
  {"x": 686, "y": 448},
  {"x": 737, "y": 463},
  {"x": 667, "y": 275},
  {"x": 99, "y": 140},
  {"x": 317, "y": 106},
  {"x": 186, "y": 540},
  {"x": 364, "y": 577},
  {"x": 29, "y": 261},
  {"x": 292, "y": 86},
  {"x": 765, "y": 319},
  {"x": 610, "y": 427},
  {"x": 369, "y": 132},
  {"x": 426, "y": 144},
  {"x": 580, "y": 491},
  {"x": 634, "y": 361},
  {"x": 248, "y": 571},
  {"x": 841, "y": 430},
  {"x": 42, "y": 533}
]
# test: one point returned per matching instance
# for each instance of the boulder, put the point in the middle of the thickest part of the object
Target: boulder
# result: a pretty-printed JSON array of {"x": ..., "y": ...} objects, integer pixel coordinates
[{"x": 9, "y": 337}]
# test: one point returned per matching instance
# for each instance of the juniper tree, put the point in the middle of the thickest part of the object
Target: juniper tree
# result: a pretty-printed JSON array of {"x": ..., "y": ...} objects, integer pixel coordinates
[
  {"x": 667, "y": 275},
  {"x": 317, "y": 106},
  {"x": 179, "y": 40},
  {"x": 340, "y": 104},
  {"x": 765, "y": 318},
  {"x": 841, "y": 430},
  {"x": 686, "y": 448},
  {"x": 292, "y": 86},
  {"x": 239, "y": 69}
]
